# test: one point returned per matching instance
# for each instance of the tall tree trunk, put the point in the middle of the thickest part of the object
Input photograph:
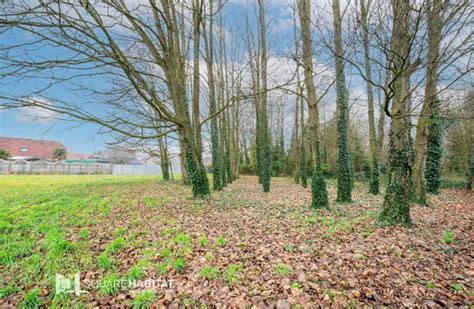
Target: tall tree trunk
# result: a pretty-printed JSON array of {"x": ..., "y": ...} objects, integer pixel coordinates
[
  {"x": 266, "y": 155},
  {"x": 197, "y": 16},
  {"x": 296, "y": 142},
  {"x": 344, "y": 172},
  {"x": 175, "y": 74},
  {"x": 236, "y": 126},
  {"x": 182, "y": 164},
  {"x": 396, "y": 206},
  {"x": 374, "y": 154},
  {"x": 303, "y": 173},
  {"x": 164, "y": 158},
  {"x": 434, "y": 150},
  {"x": 216, "y": 158},
  {"x": 225, "y": 98},
  {"x": 318, "y": 186},
  {"x": 296, "y": 134},
  {"x": 435, "y": 25}
]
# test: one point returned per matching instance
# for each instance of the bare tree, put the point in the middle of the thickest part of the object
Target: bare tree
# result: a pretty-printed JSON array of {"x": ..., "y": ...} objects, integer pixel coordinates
[
  {"x": 374, "y": 153},
  {"x": 90, "y": 39},
  {"x": 320, "y": 198}
]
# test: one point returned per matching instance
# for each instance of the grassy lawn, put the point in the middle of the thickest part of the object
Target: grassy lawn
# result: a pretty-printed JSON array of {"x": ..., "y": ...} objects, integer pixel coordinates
[{"x": 239, "y": 247}]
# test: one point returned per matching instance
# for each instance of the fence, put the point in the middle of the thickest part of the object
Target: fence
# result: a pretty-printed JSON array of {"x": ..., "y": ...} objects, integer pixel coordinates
[
  {"x": 58, "y": 168},
  {"x": 121, "y": 169}
]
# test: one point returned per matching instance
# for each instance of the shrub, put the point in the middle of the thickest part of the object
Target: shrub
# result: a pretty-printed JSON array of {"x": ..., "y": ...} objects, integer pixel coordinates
[
  {"x": 453, "y": 183},
  {"x": 4, "y": 154},
  {"x": 59, "y": 154}
]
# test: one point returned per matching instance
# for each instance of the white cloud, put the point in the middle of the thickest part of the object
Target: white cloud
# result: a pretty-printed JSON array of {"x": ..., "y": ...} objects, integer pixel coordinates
[{"x": 37, "y": 114}]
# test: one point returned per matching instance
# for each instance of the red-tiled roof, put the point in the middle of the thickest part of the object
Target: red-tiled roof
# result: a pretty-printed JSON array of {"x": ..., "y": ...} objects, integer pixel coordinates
[{"x": 29, "y": 148}]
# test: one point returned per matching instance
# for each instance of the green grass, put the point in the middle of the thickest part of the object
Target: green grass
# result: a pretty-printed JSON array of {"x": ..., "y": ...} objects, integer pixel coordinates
[
  {"x": 64, "y": 224},
  {"x": 453, "y": 183},
  {"x": 221, "y": 241},
  {"x": 457, "y": 287},
  {"x": 282, "y": 270},
  {"x": 144, "y": 299},
  {"x": 47, "y": 224},
  {"x": 448, "y": 237},
  {"x": 179, "y": 264},
  {"x": 32, "y": 300},
  {"x": 116, "y": 245},
  {"x": 209, "y": 273},
  {"x": 203, "y": 241},
  {"x": 109, "y": 285},
  {"x": 104, "y": 261},
  {"x": 135, "y": 272},
  {"x": 233, "y": 273}
]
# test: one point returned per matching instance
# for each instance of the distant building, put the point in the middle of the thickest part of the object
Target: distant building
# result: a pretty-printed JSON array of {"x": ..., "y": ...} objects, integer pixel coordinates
[
  {"x": 29, "y": 149},
  {"x": 116, "y": 155}
]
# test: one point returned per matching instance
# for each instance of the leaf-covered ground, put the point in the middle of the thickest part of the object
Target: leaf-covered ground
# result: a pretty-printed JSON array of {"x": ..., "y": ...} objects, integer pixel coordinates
[{"x": 240, "y": 248}]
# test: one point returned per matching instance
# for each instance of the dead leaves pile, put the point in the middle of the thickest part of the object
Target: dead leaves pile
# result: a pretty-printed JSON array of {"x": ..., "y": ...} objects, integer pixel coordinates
[{"x": 334, "y": 258}]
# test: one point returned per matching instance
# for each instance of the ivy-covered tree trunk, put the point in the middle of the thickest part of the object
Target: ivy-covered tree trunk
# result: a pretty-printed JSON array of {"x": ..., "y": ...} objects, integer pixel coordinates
[
  {"x": 374, "y": 154},
  {"x": 197, "y": 17},
  {"x": 193, "y": 161},
  {"x": 344, "y": 172},
  {"x": 396, "y": 205},
  {"x": 434, "y": 152},
  {"x": 265, "y": 143},
  {"x": 430, "y": 100},
  {"x": 318, "y": 186},
  {"x": 197, "y": 172},
  {"x": 175, "y": 73},
  {"x": 470, "y": 173}
]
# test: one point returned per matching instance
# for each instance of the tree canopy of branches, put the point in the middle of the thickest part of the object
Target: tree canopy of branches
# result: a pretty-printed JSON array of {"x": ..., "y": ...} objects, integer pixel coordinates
[{"x": 242, "y": 93}]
